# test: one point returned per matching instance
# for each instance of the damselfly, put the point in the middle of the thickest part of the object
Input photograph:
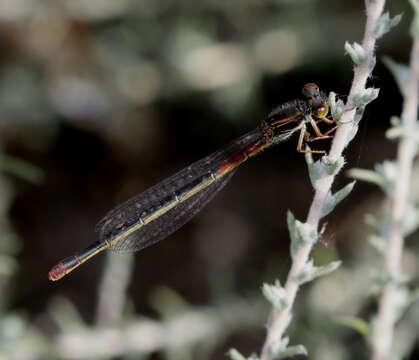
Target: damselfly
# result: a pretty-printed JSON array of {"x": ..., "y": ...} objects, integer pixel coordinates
[{"x": 159, "y": 211}]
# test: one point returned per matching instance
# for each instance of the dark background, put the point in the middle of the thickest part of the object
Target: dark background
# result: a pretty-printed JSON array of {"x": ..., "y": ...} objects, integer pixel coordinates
[{"x": 100, "y": 100}]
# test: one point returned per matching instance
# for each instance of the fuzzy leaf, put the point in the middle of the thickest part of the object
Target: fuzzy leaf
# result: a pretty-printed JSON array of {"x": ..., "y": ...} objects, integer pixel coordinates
[
  {"x": 336, "y": 198},
  {"x": 21, "y": 169},
  {"x": 364, "y": 97},
  {"x": 310, "y": 272},
  {"x": 356, "y": 52},
  {"x": 401, "y": 300},
  {"x": 281, "y": 350},
  {"x": 395, "y": 132},
  {"x": 326, "y": 166},
  {"x": 410, "y": 220},
  {"x": 400, "y": 72},
  {"x": 383, "y": 176},
  {"x": 336, "y": 107},
  {"x": 357, "y": 324},
  {"x": 315, "y": 170},
  {"x": 401, "y": 128},
  {"x": 300, "y": 233},
  {"x": 292, "y": 351},
  {"x": 387, "y": 169},
  {"x": 380, "y": 228},
  {"x": 353, "y": 132},
  {"x": 276, "y": 295},
  {"x": 359, "y": 113},
  {"x": 378, "y": 243},
  {"x": 332, "y": 166},
  {"x": 414, "y": 27},
  {"x": 386, "y": 23},
  {"x": 371, "y": 63},
  {"x": 235, "y": 355},
  {"x": 395, "y": 121},
  {"x": 367, "y": 176}
]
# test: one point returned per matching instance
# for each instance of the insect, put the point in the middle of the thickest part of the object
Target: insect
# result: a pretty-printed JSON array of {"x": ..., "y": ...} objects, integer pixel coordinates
[{"x": 162, "y": 209}]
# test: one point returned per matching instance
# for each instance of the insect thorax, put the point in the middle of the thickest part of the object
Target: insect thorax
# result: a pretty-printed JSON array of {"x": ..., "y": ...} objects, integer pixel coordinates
[{"x": 288, "y": 110}]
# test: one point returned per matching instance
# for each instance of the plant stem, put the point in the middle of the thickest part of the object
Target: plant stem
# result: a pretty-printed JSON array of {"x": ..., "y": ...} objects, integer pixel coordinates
[
  {"x": 113, "y": 288},
  {"x": 281, "y": 319},
  {"x": 387, "y": 311}
]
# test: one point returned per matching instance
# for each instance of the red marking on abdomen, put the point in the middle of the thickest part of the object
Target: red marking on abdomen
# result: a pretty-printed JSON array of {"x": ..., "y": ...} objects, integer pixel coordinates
[
  {"x": 254, "y": 148},
  {"x": 236, "y": 159},
  {"x": 56, "y": 272},
  {"x": 233, "y": 161}
]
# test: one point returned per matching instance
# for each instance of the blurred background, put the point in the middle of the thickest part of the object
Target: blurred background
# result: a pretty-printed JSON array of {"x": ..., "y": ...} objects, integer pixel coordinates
[{"x": 101, "y": 99}]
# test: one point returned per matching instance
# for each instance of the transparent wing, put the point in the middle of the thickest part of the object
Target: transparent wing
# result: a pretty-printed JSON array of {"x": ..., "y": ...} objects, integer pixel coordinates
[
  {"x": 131, "y": 212},
  {"x": 172, "y": 220}
]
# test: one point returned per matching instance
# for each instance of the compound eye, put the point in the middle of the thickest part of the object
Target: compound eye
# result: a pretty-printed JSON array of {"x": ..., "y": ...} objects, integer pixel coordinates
[
  {"x": 321, "y": 111},
  {"x": 311, "y": 86},
  {"x": 310, "y": 90}
]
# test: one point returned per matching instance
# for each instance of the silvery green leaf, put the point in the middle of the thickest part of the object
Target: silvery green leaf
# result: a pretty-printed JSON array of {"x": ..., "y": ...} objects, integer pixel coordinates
[
  {"x": 378, "y": 243},
  {"x": 395, "y": 121},
  {"x": 370, "y": 176},
  {"x": 66, "y": 315},
  {"x": 380, "y": 229},
  {"x": 414, "y": 27},
  {"x": 356, "y": 52},
  {"x": 386, "y": 23},
  {"x": 323, "y": 167},
  {"x": 357, "y": 324},
  {"x": 353, "y": 131},
  {"x": 400, "y": 72},
  {"x": 395, "y": 132},
  {"x": 235, "y": 355},
  {"x": 403, "y": 128},
  {"x": 300, "y": 233},
  {"x": 364, "y": 97},
  {"x": 402, "y": 299},
  {"x": 292, "y": 226},
  {"x": 410, "y": 220},
  {"x": 371, "y": 63},
  {"x": 315, "y": 169},
  {"x": 371, "y": 220},
  {"x": 21, "y": 168},
  {"x": 332, "y": 165},
  {"x": 383, "y": 176},
  {"x": 292, "y": 351},
  {"x": 382, "y": 278},
  {"x": 388, "y": 170},
  {"x": 281, "y": 350},
  {"x": 279, "y": 345},
  {"x": 310, "y": 272},
  {"x": 336, "y": 107},
  {"x": 379, "y": 223},
  {"x": 359, "y": 113},
  {"x": 276, "y": 295},
  {"x": 294, "y": 234},
  {"x": 333, "y": 199}
]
